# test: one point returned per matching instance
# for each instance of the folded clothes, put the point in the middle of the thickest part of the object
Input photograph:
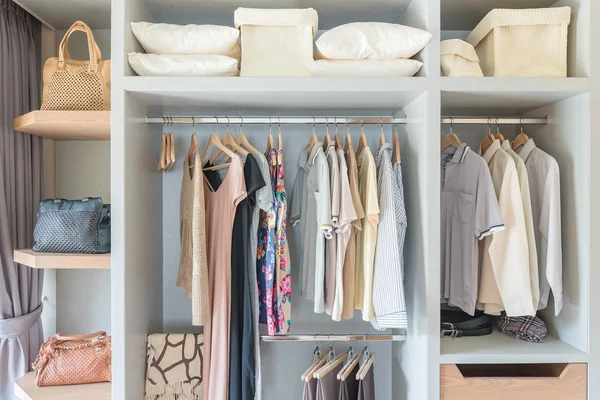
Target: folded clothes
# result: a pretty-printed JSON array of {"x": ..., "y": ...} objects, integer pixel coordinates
[
  {"x": 183, "y": 65},
  {"x": 531, "y": 329}
]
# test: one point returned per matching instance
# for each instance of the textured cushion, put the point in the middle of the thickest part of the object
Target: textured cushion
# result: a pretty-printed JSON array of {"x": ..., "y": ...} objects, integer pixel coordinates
[
  {"x": 372, "y": 40},
  {"x": 183, "y": 65},
  {"x": 187, "y": 39},
  {"x": 365, "y": 68}
]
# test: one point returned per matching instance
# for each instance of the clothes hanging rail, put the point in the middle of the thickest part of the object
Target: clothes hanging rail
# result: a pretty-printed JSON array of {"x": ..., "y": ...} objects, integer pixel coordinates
[
  {"x": 334, "y": 338},
  {"x": 224, "y": 120},
  {"x": 494, "y": 121}
]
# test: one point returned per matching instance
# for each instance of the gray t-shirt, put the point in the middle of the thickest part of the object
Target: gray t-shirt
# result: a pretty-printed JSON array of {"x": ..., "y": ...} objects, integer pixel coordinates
[{"x": 469, "y": 213}]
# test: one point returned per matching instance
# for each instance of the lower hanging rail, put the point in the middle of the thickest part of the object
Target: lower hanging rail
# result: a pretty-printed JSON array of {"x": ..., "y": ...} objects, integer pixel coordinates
[{"x": 334, "y": 338}]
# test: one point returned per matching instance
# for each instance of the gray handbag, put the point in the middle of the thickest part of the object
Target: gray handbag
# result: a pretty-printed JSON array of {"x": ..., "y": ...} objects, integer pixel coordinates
[{"x": 73, "y": 226}]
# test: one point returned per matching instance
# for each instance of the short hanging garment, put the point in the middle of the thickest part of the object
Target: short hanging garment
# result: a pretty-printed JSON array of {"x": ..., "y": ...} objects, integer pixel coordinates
[
  {"x": 283, "y": 271},
  {"x": 366, "y": 386},
  {"x": 328, "y": 387},
  {"x": 265, "y": 268},
  {"x": 193, "y": 266},
  {"x": 349, "y": 387},
  {"x": 221, "y": 205}
]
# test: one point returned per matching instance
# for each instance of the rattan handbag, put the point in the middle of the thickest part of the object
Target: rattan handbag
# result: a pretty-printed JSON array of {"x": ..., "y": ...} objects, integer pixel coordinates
[{"x": 73, "y": 85}]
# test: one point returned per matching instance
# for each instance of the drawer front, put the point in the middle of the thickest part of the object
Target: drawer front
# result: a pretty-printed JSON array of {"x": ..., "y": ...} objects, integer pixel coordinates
[{"x": 513, "y": 381}]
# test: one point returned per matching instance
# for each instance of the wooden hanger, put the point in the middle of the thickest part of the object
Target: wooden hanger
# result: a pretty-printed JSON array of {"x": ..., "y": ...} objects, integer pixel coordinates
[
  {"x": 362, "y": 372},
  {"x": 214, "y": 140},
  {"x": 487, "y": 142},
  {"x": 327, "y": 368},
  {"x": 191, "y": 154},
  {"x": 498, "y": 135},
  {"x": 229, "y": 141},
  {"x": 162, "y": 161},
  {"x": 242, "y": 140},
  {"x": 279, "y": 139},
  {"x": 338, "y": 141},
  {"x": 396, "y": 159},
  {"x": 308, "y": 374},
  {"x": 451, "y": 140},
  {"x": 326, "y": 141},
  {"x": 362, "y": 143},
  {"x": 169, "y": 145},
  {"x": 172, "y": 135},
  {"x": 312, "y": 142},
  {"x": 347, "y": 369},
  {"x": 381, "y": 135},
  {"x": 521, "y": 139},
  {"x": 348, "y": 144}
]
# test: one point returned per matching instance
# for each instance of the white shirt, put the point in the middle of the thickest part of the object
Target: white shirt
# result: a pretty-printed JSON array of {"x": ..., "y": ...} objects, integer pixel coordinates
[
  {"x": 505, "y": 283},
  {"x": 544, "y": 182},
  {"x": 526, "y": 199}
]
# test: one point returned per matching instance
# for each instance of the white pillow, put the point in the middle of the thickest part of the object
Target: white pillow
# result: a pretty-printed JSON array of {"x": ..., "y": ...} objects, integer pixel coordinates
[
  {"x": 372, "y": 40},
  {"x": 365, "y": 68},
  {"x": 183, "y": 65},
  {"x": 186, "y": 39}
]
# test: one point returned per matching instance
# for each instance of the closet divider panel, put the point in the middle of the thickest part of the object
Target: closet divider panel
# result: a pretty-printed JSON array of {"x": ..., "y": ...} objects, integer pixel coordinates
[{"x": 567, "y": 139}]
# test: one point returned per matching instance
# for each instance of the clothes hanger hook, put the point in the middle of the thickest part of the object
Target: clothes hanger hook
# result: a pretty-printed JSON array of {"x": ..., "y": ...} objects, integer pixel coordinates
[
  {"x": 270, "y": 125},
  {"x": 241, "y": 123},
  {"x": 279, "y": 123},
  {"x": 381, "y": 124},
  {"x": 489, "y": 126},
  {"x": 451, "y": 125},
  {"x": 336, "y": 125},
  {"x": 327, "y": 125},
  {"x": 347, "y": 127},
  {"x": 314, "y": 123},
  {"x": 497, "y": 125},
  {"x": 521, "y": 120},
  {"x": 362, "y": 125},
  {"x": 216, "y": 123}
]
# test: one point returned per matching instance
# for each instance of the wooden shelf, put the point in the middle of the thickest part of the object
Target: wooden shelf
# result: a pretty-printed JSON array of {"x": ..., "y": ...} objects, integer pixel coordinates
[
  {"x": 26, "y": 389},
  {"x": 61, "y": 260},
  {"x": 65, "y": 125}
]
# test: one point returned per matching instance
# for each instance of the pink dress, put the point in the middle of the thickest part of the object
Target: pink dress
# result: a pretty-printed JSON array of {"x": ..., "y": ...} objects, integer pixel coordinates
[{"x": 220, "y": 213}]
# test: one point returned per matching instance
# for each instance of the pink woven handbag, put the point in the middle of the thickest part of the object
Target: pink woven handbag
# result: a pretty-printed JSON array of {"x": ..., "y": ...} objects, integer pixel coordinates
[{"x": 74, "y": 359}]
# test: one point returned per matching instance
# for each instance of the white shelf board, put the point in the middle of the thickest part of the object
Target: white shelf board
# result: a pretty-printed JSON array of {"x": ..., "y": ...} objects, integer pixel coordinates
[
  {"x": 26, "y": 389},
  {"x": 505, "y": 96},
  {"x": 466, "y": 14},
  {"x": 60, "y": 14},
  {"x": 498, "y": 348},
  {"x": 331, "y": 12},
  {"x": 276, "y": 93}
]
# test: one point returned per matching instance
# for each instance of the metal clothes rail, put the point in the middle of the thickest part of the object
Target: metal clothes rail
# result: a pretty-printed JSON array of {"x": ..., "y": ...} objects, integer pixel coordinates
[
  {"x": 494, "y": 121},
  {"x": 223, "y": 120},
  {"x": 334, "y": 338}
]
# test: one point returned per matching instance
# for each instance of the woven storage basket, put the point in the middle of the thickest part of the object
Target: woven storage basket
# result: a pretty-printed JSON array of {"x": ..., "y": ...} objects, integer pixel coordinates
[
  {"x": 459, "y": 58},
  {"x": 523, "y": 43},
  {"x": 276, "y": 42}
]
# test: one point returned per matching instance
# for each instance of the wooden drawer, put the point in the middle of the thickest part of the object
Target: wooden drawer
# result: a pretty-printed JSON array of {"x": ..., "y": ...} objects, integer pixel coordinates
[{"x": 513, "y": 381}]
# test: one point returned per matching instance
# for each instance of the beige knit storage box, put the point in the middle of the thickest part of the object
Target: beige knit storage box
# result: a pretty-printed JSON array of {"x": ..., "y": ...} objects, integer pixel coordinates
[
  {"x": 523, "y": 43},
  {"x": 459, "y": 58},
  {"x": 276, "y": 42}
]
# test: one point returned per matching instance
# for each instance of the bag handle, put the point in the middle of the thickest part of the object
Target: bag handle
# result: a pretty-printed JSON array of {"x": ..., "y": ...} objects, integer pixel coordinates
[
  {"x": 60, "y": 336},
  {"x": 93, "y": 49},
  {"x": 94, "y": 44}
]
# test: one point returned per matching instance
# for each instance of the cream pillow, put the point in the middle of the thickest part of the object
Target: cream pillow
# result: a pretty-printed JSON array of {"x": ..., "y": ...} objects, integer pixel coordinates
[
  {"x": 365, "y": 68},
  {"x": 372, "y": 40},
  {"x": 183, "y": 65},
  {"x": 187, "y": 39}
]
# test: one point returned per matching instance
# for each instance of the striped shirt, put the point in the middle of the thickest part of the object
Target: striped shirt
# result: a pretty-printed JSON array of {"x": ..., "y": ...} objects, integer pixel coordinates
[{"x": 388, "y": 285}]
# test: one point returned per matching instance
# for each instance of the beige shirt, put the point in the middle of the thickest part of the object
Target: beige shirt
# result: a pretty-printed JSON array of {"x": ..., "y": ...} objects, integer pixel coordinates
[
  {"x": 343, "y": 231},
  {"x": 526, "y": 199},
  {"x": 505, "y": 282},
  {"x": 193, "y": 265},
  {"x": 331, "y": 256},
  {"x": 366, "y": 240},
  {"x": 350, "y": 258}
]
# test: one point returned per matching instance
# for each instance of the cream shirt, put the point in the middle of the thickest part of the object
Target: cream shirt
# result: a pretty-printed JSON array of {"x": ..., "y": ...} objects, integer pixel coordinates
[
  {"x": 544, "y": 182},
  {"x": 331, "y": 254},
  {"x": 505, "y": 282},
  {"x": 366, "y": 240},
  {"x": 526, "y": 199},
  {"x": 342, "y": 234}
]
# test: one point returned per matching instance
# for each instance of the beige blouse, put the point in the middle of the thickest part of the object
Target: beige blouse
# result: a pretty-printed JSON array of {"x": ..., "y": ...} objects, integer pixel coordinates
[{"x": 193, "y": 266}]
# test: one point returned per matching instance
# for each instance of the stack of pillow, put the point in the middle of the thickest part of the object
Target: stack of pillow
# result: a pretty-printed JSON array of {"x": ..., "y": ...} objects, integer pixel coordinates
[
  {"x": 190, "y": 50},
  {"x": 362, "y": 49}
]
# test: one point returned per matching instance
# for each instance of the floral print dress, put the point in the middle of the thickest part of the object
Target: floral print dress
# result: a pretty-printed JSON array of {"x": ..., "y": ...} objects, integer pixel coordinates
[
  {"x": 282, "y": 263},
  {"x": 272, "y": 264}
]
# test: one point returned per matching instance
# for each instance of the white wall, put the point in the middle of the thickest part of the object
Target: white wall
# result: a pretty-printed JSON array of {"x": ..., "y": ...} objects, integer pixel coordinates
[{"x": 83, "y": 170}]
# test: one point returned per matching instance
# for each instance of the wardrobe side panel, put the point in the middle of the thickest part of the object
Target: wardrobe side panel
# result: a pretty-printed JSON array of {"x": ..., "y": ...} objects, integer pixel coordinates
[
  {"x": 409, "y": 364},
  {"x": 578, "y": 51},
  {"x": 143, "y": 242},
  {"x": 417, "y": 15},
  {"x": 134, "y": 11},
  {"x": 566, "y": 138}
]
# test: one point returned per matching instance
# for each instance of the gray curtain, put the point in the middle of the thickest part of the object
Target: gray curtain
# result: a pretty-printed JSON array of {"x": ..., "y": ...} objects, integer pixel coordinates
[{"x": 20, "y": 194}]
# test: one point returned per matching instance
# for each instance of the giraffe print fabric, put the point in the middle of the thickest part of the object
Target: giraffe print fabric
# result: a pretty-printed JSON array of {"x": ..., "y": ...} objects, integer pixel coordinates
[{"x": 175, "y": 367}]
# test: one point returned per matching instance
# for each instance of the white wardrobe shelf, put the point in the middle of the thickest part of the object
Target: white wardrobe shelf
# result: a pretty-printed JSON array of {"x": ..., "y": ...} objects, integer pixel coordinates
[
  {"x": 26, "y": 389},
  {"x": 501, "y": 349},
  {"x": 517, "y": 85},
  {"x": 261, "y": 93}
]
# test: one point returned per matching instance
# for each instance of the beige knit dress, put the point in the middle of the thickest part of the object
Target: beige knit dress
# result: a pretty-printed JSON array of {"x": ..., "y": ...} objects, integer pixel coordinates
[{"x": 193, "y": 265}]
